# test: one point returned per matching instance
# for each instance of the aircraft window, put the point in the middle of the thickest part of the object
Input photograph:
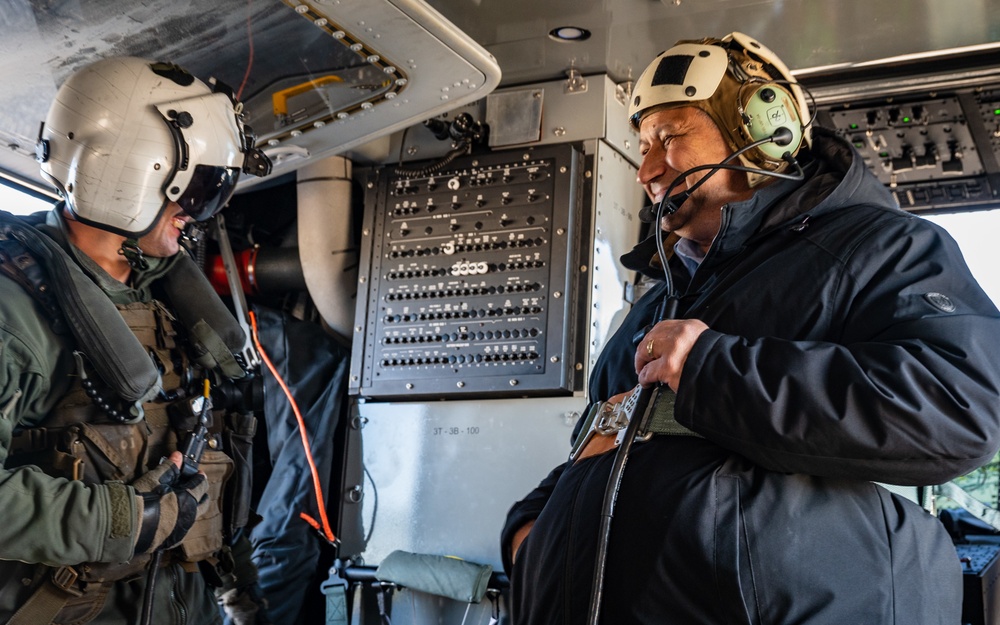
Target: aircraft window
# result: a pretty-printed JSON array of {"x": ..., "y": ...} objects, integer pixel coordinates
[
  {"x": 15, "y": 200},
  {"x": 336, "y": 75},
  {"x": 975, "y": 232}
]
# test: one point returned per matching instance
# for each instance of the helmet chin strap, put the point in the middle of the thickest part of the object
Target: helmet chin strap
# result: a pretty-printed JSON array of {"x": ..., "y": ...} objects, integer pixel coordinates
[{"x": 133, "y": 254}]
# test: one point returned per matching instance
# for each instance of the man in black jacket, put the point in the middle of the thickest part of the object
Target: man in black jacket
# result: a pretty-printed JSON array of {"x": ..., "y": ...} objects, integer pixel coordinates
[{"x": 824, "y": 340}]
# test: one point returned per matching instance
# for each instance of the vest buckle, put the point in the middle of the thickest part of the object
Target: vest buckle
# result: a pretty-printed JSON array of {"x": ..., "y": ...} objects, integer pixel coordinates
[{"x": 64, "y": 578}]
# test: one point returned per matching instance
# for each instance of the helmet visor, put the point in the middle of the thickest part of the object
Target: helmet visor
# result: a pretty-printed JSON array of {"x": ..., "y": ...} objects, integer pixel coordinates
[{"x": 209, "y": 190}]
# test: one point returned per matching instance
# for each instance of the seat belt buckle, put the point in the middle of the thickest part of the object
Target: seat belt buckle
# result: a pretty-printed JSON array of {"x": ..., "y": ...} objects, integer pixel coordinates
[
  {"x": 588, "y": 432},
  {"x": 603, "y": 419},
  {"x": 609, "y": 419}
]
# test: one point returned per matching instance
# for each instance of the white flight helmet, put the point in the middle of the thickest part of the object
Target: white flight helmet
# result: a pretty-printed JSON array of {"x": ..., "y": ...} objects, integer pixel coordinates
[
  {"x": 126, "y": 136},
  {"x": 744, "y": 87}
]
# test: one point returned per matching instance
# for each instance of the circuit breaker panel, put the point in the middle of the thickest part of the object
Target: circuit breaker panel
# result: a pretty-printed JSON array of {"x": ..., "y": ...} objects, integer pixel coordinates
[
  {"x": 470, "y": 277},
  {"x": 933, "y": 150}
]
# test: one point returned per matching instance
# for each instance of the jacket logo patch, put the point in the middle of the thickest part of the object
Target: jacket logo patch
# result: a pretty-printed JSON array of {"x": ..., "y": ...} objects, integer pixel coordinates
[{"x": 940, "y": 301}]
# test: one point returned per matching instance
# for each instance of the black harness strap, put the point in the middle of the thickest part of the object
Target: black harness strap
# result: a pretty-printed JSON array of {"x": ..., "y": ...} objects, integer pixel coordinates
[{"x": 21, "y": 267}]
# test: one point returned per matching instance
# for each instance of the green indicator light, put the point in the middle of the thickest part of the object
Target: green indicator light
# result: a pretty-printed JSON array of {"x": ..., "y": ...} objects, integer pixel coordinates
[
  {"x": 854, "y": 126},
  {"x": 859, "y": 144},
  {"x": 996, "y": 111},
  {"x": 883, "y": 154},
  {"x": 906, "y": 120}
]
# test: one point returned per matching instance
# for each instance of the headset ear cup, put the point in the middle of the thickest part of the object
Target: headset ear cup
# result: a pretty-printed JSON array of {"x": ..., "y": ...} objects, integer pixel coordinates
[{"x": 765, "y": 109}]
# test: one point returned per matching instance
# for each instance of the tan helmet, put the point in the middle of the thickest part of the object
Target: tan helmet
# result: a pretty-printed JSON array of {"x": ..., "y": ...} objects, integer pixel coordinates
[
  {"x": 743, "y": 86},
  {"x": 126, "y": 136}
]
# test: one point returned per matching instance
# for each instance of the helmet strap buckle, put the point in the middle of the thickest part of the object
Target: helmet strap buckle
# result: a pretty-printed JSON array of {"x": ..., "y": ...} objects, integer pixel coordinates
[{"x": 133, "y": 254}]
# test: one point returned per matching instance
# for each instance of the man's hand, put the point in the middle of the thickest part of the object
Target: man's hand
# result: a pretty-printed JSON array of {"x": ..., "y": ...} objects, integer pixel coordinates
[
  {"x": 240, "y": 595},
  {"x": 245, "y": 605},
  {"x": 662, "y": 353},
  {"x": 519, "y": 537},
  {"x": 168, "y": 504}
]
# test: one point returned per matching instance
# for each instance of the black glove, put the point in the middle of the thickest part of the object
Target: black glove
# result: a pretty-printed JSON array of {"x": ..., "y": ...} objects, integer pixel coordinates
[{"x": 168, "y": 506}]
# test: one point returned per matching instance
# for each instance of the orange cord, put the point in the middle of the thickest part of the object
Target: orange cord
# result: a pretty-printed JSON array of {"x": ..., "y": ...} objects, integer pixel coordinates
[
  {"x": 324, "y": 529},
  {"x": 246, "y": 76}
]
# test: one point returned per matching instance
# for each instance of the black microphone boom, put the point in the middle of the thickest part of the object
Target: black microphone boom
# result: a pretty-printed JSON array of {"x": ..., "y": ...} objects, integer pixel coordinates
[
  {"x": 648, "y": 213},
  {"x": 670, "y": 203}
]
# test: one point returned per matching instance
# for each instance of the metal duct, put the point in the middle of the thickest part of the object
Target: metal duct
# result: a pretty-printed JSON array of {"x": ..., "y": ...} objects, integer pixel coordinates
[{"x": 327, "y": 252}]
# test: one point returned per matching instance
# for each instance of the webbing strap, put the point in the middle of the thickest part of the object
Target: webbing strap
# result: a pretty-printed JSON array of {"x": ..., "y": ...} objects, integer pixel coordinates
[
  {"x": 43, "y": 606},
  {"x": 335, "y": 589},
  {"x": 356, "y": 603},
  {"x": 662, "y": 420},
  {"x": 19, "y": 265}
]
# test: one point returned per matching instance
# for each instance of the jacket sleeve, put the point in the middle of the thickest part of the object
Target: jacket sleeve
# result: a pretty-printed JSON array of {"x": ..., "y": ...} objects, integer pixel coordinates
[
  {"x": 43, "y": 518},
  {"x": 906, "y": 392}
]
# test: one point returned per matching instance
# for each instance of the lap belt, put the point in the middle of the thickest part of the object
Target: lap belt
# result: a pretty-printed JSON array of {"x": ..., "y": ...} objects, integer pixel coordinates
[
  {"x": 62, "y": 586},
  {"x": 606, "y": 419},
  {"x": 49, "y": 599}
]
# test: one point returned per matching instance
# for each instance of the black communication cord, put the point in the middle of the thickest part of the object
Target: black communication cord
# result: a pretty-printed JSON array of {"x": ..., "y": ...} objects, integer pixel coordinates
[
  {"x": 666, "y": 310},
  {"x": 146, "y": 616},
  {"x": 463, "y": 130},
  {"x": 646, "y": 400}
]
